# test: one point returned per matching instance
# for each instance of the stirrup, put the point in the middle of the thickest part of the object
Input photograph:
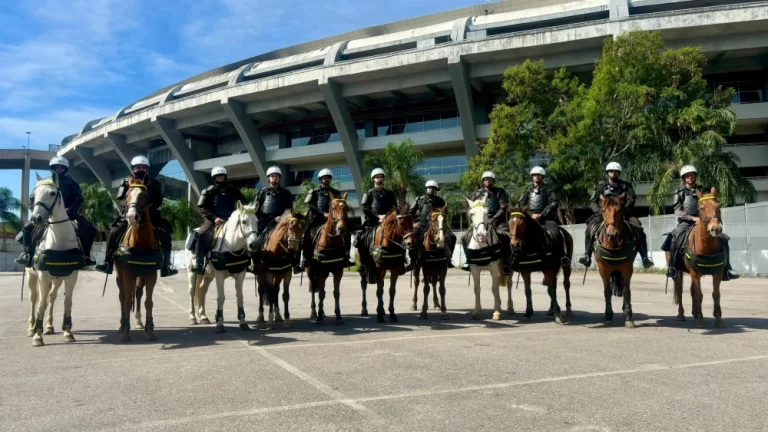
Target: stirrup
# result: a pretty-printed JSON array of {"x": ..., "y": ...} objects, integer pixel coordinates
[{"x": 671, "y": 272}]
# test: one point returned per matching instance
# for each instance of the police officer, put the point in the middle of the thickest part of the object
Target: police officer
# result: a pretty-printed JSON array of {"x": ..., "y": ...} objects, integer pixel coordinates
[
  {"x": 271, "y": 202},
  {"x": 72, "y": 198},
  {"x": 541, "y": 201},
  {"x": 319, "y": 202},
  {"x": 420, "y": 211},
  {"x": 216, "y": 204},
  {"x": 687, "y": 212},
  {"x": 497, "y": 200},
  {"x": 612, "y": 184},
  {"x": 163, "y": 228},
  {"x": 377, "y": 202}
]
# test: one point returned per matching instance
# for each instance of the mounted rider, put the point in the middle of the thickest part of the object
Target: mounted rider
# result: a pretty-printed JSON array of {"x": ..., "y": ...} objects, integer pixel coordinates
[
  {"x": 541, "y": 202},
  {"x": 497, "y": 200},
  {"x": 613, "y": 185},
  {"x": 163, "y": 229},
  {"x": 687, "y": 212},
  {"x": 216, "y": 204},
  {"x": 376, "y": 203},
  {"x": 319, "y": 202},
  {"x": 420, "y": 211},
  {"x": 72, "y": 198},
  {"x": 271, "y": 202}
]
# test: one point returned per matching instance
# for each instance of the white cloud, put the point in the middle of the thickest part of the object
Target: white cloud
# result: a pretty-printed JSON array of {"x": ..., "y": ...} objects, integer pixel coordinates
[{"x": 49, "y": 128}]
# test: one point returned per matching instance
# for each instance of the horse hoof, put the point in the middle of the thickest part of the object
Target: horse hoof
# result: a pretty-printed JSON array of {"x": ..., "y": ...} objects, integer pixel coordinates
[
  {"x": 364, "y": 312},
  {"x": 49, "y": 331},
  {"x": 527, "y": 318},
  {"x": 279, "y": 319},
  {"x": 393, "y": 318},
  {"x": 244, "y": 327},
  {"x": 139, "y": 325},
  {"x": 313, "y": 316},
  {"x": 719, "y": 323},
  {"x": 120, "y": 330},
  {"x": 629, "y": 324},
  {"x": 559, "y": 319},
  {"x": 475, "y": 315},
  {"x": 700, "y": 323},
  {"x": 125, "y": 336},
  {"x": 569, "y": 313},
  {"x": 550, "y": 313},
  {"x": 496, "y": 316},
  {"x": 270, "y": 326},
  {"x": 192, "y": 321},
  {"x": 444, "y": 317},
  {"x": 511, "y": 311},
  {"x": 151, "y": 336},
  {"x": 413, "y": 307},
  {"x": 380, "y": 319},
  {"x": 423, "y": 316},
  {"x": 205, "y": 321},
  {"x": 30, "y": 332},
  {"x": 68, "y": 338},
  {"x": 37, "y": 343},
  {"x": 681, "y": 317},
  {"x": 220, "y": 328}
]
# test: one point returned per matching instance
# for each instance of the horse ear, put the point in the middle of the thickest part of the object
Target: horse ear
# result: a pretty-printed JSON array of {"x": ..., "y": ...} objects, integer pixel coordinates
[
  {"x": 38, "y": 176},
  {"x": 699, "y": 194},
  {"x": 524, "y": 210},
  {"x": 444, "y": 209},
  {"x": 344, "y": 197},
  {"x": 469, "y": 201},
  {"x": 55, "y": 177},
  {"x": 602, "y": 198},
  {"x": 713, "y": 191},
  {"x": 239, "y": 206},
  {"x": 130, "y": 179}
]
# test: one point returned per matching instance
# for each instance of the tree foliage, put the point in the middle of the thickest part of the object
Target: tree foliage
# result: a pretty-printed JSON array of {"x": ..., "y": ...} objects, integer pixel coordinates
[
  {"x": 97, "y": 205},
  {"x": 182, "y": 215},
  {"x": 249, "y": 194},
  {"x": 9, "y": 205},
  {"x": 399, "y": 162}
]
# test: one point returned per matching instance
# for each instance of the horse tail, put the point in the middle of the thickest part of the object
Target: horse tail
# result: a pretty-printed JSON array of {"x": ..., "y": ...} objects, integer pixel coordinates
[{"x": 616, "y": 282}]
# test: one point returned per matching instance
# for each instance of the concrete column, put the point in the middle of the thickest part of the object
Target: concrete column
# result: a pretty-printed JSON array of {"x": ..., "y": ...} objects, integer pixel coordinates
[
  {"x": 249, "y": 134},
  {"x": 122, "y": 149},
  {"x": 25, "y": 173},
  {"x": 463, "y": 91},
  {"x": 178, "y": 146},
  {"x": 342, "y": 118},
  {"x": 619, "y": 9},
  {"x": 95, "y": 165}
]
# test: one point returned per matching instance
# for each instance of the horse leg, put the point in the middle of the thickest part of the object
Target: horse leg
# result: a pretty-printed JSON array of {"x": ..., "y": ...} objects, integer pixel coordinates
[
  {"x": 392, "y": 290},
  {"x": 716, "y": 279},
  {"x": 528, "y": 317},
  {"x": 510, "y": 303},
  {"x": 678, "y": 298},
  {"x": 416, "y": 282},
  {"x": 149, "y": 327},
  {"x": 608, "y": 303},
  {"x": 220, "y": 297},
  {"x": 140, "y": 283},
  {"x": 44, "y": 289},
  {"x": 193, "y": 281},
  {"x": 337, "y": 274},
  {"x": 204, "y": 292},
  {"x": 567, "y": 287},
  {"x": 312, "y": 289},
  {"x": 286, "y": 297},
  {"x": 495, "y": 282},
  {"x": 321, "y": 305},
  {"x": 364, "y": 287},
  {"x": 441, "y": 280},
  {"x": 261, "y": 287},
  {"x": 551, "y": 278},
  {"x": 476, "y": 279},
  {"x": 55, "y": 285},
  {"x": 239, "y": 281},
  {"x": 380, "y": 296},
  {"x": 425, "y": 305},
  {"x": 69, "y": 288},
  {"x": 435, "y": 300},
  {"x": 129, "y": 286},
  {"x": 698, "y": 298},
  {"x": 628, "y": 321},
  {"x": 33, "y": 296}
]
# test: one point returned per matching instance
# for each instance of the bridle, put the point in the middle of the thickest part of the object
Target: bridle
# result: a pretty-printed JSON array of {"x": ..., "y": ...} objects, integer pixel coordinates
[
  {"x": 513, "y": 234},
  {"x": 134, "y": 205},
  {"x": 616, "y": 225},
  {"x": 335, "y": 221},
  {"x": 434, "y": 229},
  {"x": 476, "y": 226},
  {"x": 50, "y": 208},
  {"x": 399, "y": 230},
  {"x": 286, "y": 247},
  {"x": 239, "y": 226}
]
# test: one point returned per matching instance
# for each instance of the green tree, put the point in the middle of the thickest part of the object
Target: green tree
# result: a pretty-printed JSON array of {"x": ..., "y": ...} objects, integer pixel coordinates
[
  {"x": 182, "y": 215},
  {"x": 249, "y": 194},
  {"x": 306, "y": 188},
  {"x": 9, "y": 205},
  {"x": 399, "y": 162},
  {"x": 97, "y": 205}
]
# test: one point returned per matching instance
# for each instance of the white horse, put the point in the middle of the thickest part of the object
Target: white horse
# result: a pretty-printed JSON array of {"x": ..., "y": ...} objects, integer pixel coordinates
[
  {"x": 60, "y": 235},
  {"x": 480, "y": 236},
  {"x": 237, "y": 236}
]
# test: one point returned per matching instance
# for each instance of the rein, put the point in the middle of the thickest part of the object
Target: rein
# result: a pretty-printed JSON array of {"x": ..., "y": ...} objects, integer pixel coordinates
[
  {"x": 397, "y": 230},
  {"x": 50, "y": 208}
]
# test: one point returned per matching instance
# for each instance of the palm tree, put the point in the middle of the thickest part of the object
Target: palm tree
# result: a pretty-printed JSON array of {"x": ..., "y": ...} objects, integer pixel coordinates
[
  {"x": 182, "y": 215},
  {"x": 399, "y": 162},
  {"x": 8, "y": 207},
  {"x": 249, "y": 194},
  {"x": 97, "y": 205}
]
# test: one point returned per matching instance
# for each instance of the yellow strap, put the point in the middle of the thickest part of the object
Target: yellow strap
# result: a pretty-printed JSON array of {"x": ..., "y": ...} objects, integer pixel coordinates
[
  {"x": 338, "y": 199},
  {"x": 613, "y": 258},
  {"x": 138, "y": 185},
  {"x": 142, "y": 262},
  {"x": 517, "y": 214},
  {"x": 47, "y": 182},
  {"x": 330, "y": 261},
  {"x": 478, "y": 205},
  {"x": 237, "y": 263},
  {"x": 279, "y": 268},
  {"x": 706, "y": 198},
  {"x": 529, "y": 262},
  {"x": 61, "y": 263}
]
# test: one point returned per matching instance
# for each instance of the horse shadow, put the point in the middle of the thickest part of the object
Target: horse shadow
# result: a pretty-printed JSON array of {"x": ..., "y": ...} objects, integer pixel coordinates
[{"x": 733, "y": 325}]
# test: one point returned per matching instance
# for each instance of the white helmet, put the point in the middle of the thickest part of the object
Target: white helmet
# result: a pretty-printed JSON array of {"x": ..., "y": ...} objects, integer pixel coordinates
[
  {"x": 139, "y": 160},
  {"x": 324, "y": 172},
  {"x": 538, "y": 170},
  {"x": 218, "y": 171},
  {"x": 613, "y": 166},
  {"x": 488, "y": 174},
  {"x": 432, "y": 183},
  {"x": 377, "y": 171},
  {"x": 59, "y": 160},
  {"x": 274, "y": 170},
  {"x": 688, "y": 169}
]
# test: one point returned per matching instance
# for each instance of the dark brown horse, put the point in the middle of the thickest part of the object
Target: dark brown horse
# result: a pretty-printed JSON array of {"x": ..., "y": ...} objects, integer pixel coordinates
[
  {"x": 704, "y": 240},
  {"x": 395, "y": 236},
  {"x": 140, "y": 235},
  {"x": 615, "y": 260},
  {"x": 331, "y": 257},
  {"x": 276, "y": 266},
  {"x": 433, "y": 263},
  {"x": 528, "y": 240}
]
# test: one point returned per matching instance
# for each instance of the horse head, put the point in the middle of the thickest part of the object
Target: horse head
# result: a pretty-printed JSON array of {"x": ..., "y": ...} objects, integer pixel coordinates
[
  {"x": 338, "y": 213},
  {"x": 403, "y": 225},
  {"x": 709, "y": 212},
  {"x": 47, "y": 197},
  {"x": 478, "y": 219},
  {"x": 247, "y": 222},
  {"x": 436, "y": 231},
  {"x": 137, "y": 199},
  {"x": 610, "y": 207},
  {"x": 517, "y": 221},
  {"x": 296, "y": 224}
]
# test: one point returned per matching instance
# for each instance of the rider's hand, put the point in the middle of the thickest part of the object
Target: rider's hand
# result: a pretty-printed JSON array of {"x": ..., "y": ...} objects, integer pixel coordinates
[
  {"x": 535, "y": 217},
  {"x": 325, "y": 215},
  {"x": 695, "y": 218},
  {"x": 381, "y": 218},
  {"x": 417, "y": 224},
  {"x": 277, "y": 219},
  {"x": 218, "y": 221}
]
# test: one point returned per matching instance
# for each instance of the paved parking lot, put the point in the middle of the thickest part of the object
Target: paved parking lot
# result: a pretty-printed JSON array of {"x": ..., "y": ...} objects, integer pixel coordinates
[{"x": 416, "y": 375}]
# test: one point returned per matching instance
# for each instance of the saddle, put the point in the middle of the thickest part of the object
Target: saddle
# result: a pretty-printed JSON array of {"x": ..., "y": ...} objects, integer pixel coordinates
[
  {"x": 625, "y": 253},
  {"x": 59, "y": 263},
  {"x": 141, "y": 261}
]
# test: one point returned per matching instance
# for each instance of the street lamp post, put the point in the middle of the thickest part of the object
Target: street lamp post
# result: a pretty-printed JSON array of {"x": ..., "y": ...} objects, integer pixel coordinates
[{"x": 25, "y": 173}]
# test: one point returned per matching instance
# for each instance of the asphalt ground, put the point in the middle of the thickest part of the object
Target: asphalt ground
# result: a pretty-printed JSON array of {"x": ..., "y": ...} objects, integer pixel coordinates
[{"x": 416, "y": 375}]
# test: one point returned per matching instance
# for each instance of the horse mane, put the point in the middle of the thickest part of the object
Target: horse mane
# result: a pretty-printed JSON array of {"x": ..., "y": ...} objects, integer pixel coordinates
[{"x": 611, "y": 200}]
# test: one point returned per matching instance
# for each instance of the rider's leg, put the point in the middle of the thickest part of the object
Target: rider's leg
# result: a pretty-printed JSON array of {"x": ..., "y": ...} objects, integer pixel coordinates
[
  {"x": 164, "y": 237},
  {"x": 201, "y": 246},
  {"x": 728, "y": 272},
  {"x": 586, "y": 259},
  {"x": 450, "y": 246},
  {"x": 413, "y": 254},
  {"x": 308, "y": 246},
  {"x": 113, "y": 240},
  {"x": 465, "y": 245},
  {"x": 347, "y": 246},
  {"x": 679, "y": 230},
  {"x": 642, "y": 241},
  {"x": 87, "y": 235},
  {"x": 28, "y": 251},
  {"x": 506, "y": 248}
]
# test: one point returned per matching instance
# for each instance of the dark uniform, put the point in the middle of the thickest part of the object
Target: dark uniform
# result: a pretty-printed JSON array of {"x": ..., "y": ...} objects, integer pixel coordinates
[
  {"x": 606, "y": 188},
  {"x": 497, "y": 200},
  {"x": 271, "y": 203},
  {"x": 687, "y": 207},
  {"x": 72, "y": 198},
  {"x": 216, "y": 201},
  {"x": 319, "y": 202},
  {"x": 375, "y": 202},
  {"x": 542, "y": 201},
  {"x": 420, "y": 211}
]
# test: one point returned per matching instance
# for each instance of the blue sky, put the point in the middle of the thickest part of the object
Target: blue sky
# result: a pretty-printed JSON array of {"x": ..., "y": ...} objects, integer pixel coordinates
[{"x": 65, "y": 62}]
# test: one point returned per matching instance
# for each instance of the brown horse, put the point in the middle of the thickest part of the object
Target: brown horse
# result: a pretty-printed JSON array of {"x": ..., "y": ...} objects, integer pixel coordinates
[
  {"x": 139, "y": 236},
  {"x": 276, "y": 266},
  {"x": 616, "y": 257},
  {"x": 433, "y": 262},
  {"x": 331, "y": 258},
  {"x": 704, "y": 240},
  {"x": 528, "y": 240},
  {"x": 394, "y": 235}
]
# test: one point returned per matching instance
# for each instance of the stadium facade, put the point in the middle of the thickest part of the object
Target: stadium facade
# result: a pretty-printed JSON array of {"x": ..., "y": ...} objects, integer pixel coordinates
[{"x": 431, "y": 79}]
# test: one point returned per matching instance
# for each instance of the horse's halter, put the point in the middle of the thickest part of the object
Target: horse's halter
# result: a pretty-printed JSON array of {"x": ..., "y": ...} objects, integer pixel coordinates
[
  {"x": 513, "y": 235},
  {"x": 435, "y": 228},
  {"x": 401, "y": 231},
  {"x": 708, "y": 219},
  {"x": 338, "y": 205},
  {"x": 476, "y": 226},
  {"x": 616, "y": 225},
  {"x": 135, "y": 205},
  {"x": 50, "y": 208},
  {"x": 291, "y": 237},
  {"x": 245, "y": 214}
]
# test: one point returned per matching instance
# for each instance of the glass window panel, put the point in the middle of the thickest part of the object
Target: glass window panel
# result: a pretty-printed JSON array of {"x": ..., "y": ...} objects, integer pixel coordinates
[
  {"x": 397, "y": 129},
  {"x": 433, "y": 162},
  {"x": 431, "y": 121},
  {"x": 334, "y": 137},
  {"x": 449, "y": 119},
  {"x": 415, "y": 124},
  {"x": 399, "y": 120},
  {"x": 450, "y": 170}
]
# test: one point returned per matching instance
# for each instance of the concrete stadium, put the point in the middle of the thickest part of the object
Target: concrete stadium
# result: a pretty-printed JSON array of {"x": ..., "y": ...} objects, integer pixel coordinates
[{"x": 431, "y": 79}]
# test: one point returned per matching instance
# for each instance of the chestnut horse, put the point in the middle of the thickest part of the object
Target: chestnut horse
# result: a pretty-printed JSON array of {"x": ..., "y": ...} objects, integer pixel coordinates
[
  {"x": 329, "y": 240},
  {"x": 703, "y": 240},
  {"x": 528, "y": 241},
  {"x": 141, "y": 235},
  {"x": 276, "y": 266},
  {"x": 395, "y": 232},
  {"x": 615, "y": 260},
  {"x": 433, "y": 262}
]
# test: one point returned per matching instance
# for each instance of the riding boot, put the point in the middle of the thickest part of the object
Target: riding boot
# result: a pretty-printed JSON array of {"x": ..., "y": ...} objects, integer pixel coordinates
[
  {"x": 642, "y": 247},
  {"x": 412, "y": 257},
  {"x": 308, "y": 251},
  {"x": 464, "y": 243},
  {"x": 671, "y": 270},
  {"x": 586, "y": 259},
  {"x": 25, "y": 258},
  {"x": 168, "y": 269},
  {"x": 296, "y": 267}
]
